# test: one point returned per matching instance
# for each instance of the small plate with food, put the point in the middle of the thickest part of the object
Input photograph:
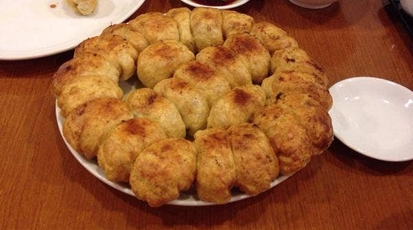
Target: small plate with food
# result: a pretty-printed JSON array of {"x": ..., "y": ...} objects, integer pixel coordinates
[{"x": 33, "y": 29}]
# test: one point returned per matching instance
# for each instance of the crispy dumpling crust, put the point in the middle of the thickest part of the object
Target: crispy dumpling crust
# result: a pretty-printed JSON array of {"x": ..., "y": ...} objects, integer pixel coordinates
[
  {"x": 191, "y": 104},
  {"x": 226, "y": 63},
  {"x": 163, "y": 170},
  {"x": 88, "y": 123},
  {"x": 206, "y": 27},
  {"x": 236, "y": 107},
  {"x": 256, "y": 164},
  {"x": 156, "y": 27},
  {"x": 252, "y": 53},
  {"x": 146, "y": 102},
  {"x": 82, "y": 89},
  {"x": 115, "y": 49},
  {"x": 216, "y": 173},
  {"x": 205, "y": 79},
  {"x": 123, "y": 144},
  {"x": 160, "y": 60}
]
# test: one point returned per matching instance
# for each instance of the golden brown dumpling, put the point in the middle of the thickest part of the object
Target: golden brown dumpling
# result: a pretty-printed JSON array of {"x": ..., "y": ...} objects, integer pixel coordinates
[
  {"x": 311, "y": 114},
  {"x": 273, "y": 37},
  {"x": 88, "y": 123},
  {"x": 222, "y": 59},
  {"x": 126, "y": 31},
  {"x": 294, "y": 59},
  {"x": 156, "y": 26},
  {"x": 252, "y": 53},
  {"x": 296, "y": 82},
  {"x": 123, "y": 144},
  {"x": 115, "y": 49},
  {"x": 191, "y": 104},
  {"x": 162, "y": 170},
  {"x": 206, "y": 27},
  {"x": 85, "y": 88},
  {"x": 145, "y": 102},
  {"x": 237, "y": 106},
  {"x": 287, "y": 136},
  {"x": 182, "y": 16},
  {"x": 234, "y": 22},
  {"x": 86, "y": 64},
  {"x": 205, "y": 79},
  {"x": 216, "y": 173},
  {"x": 255, "y": 161},
  {"x": 160, "y": 60}
]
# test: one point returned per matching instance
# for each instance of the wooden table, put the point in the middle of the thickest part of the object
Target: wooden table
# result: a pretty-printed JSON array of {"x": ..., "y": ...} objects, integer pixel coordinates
[{"x": 42, "y": 186}]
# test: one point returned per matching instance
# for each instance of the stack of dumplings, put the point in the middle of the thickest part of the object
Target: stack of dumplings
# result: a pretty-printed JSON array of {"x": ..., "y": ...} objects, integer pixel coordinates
[{"x": 220, "y": 102}]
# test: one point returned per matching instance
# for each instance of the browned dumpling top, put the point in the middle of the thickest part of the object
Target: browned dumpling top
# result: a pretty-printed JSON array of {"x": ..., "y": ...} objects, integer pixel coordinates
[
  {"x": 162, "y": 170},
  {"x": 123, "y": 144},
  {"x": 160, "y": 60},
  {"x": 145, "y": 102},
  {"x": 87, "y": 124}
]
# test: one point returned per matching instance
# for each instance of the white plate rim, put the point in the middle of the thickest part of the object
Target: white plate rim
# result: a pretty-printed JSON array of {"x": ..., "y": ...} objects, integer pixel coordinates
[
  {"x": 234, "y": 4},
  {"x": 357, "y": 146},
  {"x": 72, "y": 20},
  {"x": 184, "y": 200}
]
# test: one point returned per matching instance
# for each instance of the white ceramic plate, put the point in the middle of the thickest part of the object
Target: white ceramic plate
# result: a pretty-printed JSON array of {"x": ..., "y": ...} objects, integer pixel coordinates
[
  {"x": 186, "y": 199},
  {"x": 374, "y": 117},
  {"x": 234, "y": 4},
  {"x": 33, "y": 28}
]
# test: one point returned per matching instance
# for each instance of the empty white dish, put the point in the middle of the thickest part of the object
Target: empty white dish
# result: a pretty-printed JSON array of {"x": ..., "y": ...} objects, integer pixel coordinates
[{"x": 374, "y": 117}]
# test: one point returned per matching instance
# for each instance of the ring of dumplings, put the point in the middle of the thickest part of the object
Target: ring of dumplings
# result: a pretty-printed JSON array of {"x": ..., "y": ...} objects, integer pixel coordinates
[{"x": 225, "y": 102}]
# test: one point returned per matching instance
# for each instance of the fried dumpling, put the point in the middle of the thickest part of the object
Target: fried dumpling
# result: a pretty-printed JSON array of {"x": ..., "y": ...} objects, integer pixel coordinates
[
  {"x": 312, "y": 115},
  {"x": 115, "y": 49},
  {"x": 145, "y": 102},
  {"x": 86, "y": 64},
  {"x": 216, "y": 173},
  {"x": 205, "y": 79},
  {"x": 206, "y": 27},
  {"x": 255, "y": 161},
  {"x": 82, "y": 89},
  {"x": 182, "y": 16},
  {"x": 294, "y": 59},
  {"x": 237, "y": 106},
  {"x": 87, "y": 125},
  {"x": 273, "y": 37},
  {"x": 296, "y": 82},
  {"x": 252, "y": 53},
  {"x": 163, "y": 170},
  {"x": 156, "y": 26},
  {"x": 123, "y": 144},
  {"x": 160, "y": 60},
  {"x": 234, "y": 22},
  {"x": 287, "y": 136},
  {"x": 126, "y": 31},
  {"x": 191, "y": 104},
  {"x": 226, "y": 63}
]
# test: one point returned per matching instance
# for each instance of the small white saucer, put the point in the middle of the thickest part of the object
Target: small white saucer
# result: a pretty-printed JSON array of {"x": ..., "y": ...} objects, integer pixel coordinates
[
  {"x": 310, "y": 6},
  {"x": 234, "y": 4},
  {"x": 374, "y": 117}
]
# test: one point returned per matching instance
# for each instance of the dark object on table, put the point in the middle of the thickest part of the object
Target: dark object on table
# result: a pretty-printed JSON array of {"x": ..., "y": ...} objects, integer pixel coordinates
[{"x": 406, "y": 19}]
